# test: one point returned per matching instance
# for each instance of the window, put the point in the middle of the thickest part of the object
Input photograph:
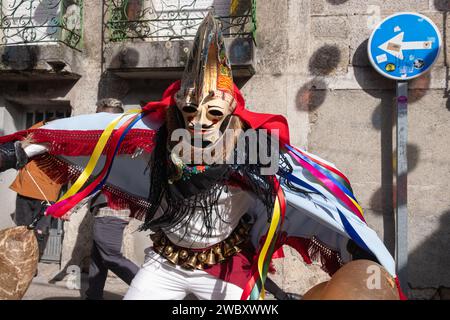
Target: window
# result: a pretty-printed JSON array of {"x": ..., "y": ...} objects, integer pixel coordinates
[{"x": 33, "y": 117}]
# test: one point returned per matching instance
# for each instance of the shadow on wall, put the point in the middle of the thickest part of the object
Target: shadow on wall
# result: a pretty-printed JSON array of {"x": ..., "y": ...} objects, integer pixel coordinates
[
  {"x": 418, "y": 89},
  {"x": 111, "y": 86},
  {"x": 20, "y": 58},
  {"x": 126, "y": 58},
  {"x": 442, "y": 5},
  {"x": 240, "y": 51},
  {"x": 135, "y": 92},
  {"x": 337, "y": 2},
  {"x": 381, "y": 202},
  {"x": 313, "y": 93},
  {"x": 143, "y": 91},
  {"x": 428, "y": 263},
  {"x": 324, "y": 60}
]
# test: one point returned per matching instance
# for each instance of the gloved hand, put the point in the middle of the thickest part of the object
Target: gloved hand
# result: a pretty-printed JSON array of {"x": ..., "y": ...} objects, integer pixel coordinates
[{"x": 12, "y": 156}]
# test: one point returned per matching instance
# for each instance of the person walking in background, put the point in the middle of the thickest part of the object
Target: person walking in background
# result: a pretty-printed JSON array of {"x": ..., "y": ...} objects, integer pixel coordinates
[{"x": 109, "y": 225}]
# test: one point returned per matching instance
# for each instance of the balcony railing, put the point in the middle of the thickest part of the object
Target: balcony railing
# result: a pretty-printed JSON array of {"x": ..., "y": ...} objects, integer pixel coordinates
[
  {"x": 41, "y": 21},
  {"x": 164, "y": 20}
]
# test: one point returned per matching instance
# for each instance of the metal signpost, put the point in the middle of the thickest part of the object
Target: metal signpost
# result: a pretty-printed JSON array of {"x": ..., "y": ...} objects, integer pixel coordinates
[{"x": 402, "y": 47}]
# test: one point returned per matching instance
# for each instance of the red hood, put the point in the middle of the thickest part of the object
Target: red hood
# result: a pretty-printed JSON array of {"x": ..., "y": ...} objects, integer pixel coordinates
[{"x": 255, "y": 120}]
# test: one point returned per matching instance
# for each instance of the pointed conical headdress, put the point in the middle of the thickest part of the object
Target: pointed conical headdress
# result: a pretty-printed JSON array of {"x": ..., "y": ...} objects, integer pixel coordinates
[{"x": 208, "y": 68}]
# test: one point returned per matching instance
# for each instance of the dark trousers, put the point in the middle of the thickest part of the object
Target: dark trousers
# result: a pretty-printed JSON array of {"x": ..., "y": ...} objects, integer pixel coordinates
[
  {"x": 27, "y": 209},
  {"x": 106, "y": 255}
]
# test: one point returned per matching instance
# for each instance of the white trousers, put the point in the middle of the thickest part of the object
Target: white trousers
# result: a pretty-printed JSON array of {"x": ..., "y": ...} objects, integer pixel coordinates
[{"x": 160, "y": 280}]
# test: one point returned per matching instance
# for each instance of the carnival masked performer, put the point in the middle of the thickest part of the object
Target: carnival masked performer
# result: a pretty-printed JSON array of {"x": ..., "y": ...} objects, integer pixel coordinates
[{"x": 220, "y": 187}]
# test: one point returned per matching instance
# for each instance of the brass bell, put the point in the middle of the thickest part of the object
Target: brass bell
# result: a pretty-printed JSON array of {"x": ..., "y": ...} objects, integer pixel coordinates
[
  {"x": 201, "y": 257},
  {"x": 211, "y": 259},
  {"x": 168, "y": 250},
  {"x": 229, "y": 251},
  {"x": 173, "y": 257},
  {"x": 158, "y": 249},
  {"x": 183, "y": 254},
  {"x": 192, "y": 261},
  {"x": 199, "y": 266},
  {"x": 238, "y": 239},
  {"x": 226, "y": 249},
  {"x": 218, "y": 252},
  {"x": 236, "y": 249}
]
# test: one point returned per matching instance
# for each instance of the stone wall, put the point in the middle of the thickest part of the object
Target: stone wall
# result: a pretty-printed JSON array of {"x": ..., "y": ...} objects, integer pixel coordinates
[{"x": 312, "y": 66}]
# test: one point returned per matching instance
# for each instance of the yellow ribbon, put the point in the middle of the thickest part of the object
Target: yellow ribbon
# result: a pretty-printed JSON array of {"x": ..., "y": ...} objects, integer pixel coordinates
[
  {"x": 265, "y": 248},
  {"x": 98, "y": 150},
  {"x": 357, "y": 205}
]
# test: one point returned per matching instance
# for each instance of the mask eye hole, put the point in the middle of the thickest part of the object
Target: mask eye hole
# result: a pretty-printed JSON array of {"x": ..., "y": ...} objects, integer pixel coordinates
[
  {"x": 215, "y": 113},
  {"x": 189, "y": 109}
]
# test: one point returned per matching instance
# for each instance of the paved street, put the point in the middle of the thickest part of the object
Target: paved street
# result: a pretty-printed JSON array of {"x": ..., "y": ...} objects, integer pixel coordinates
[{"x": 44, "y": 288}]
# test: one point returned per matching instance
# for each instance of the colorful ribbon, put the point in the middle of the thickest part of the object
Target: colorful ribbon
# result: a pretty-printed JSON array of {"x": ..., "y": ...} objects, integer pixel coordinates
[
  {"x": 305, "y": 161},
  {"x": 255, "y": 287},
  {"x": 337, "y": 189},
  {"x": 64, "y": 205},
  {"x": 326, "y": 172},
  {"x": 331, "y": 177},
  {"x": 122, "y": 137},
  {"x": 347, "y": 226},
  {"x": 93, "y": 160},
  {"x": 332, "y": 170}
]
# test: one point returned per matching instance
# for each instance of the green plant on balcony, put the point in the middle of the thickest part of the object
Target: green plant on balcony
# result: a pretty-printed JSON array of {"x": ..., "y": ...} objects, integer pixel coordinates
[{"x": 175, "y": 19}]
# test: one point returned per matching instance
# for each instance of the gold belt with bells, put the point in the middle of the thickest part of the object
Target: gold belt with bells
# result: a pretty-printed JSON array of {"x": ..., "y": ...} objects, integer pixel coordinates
[{"x": 201, "y": 258}]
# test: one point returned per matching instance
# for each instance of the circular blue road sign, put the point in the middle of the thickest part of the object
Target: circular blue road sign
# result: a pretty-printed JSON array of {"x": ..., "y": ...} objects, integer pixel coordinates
[{"x": 404, "y": 45}]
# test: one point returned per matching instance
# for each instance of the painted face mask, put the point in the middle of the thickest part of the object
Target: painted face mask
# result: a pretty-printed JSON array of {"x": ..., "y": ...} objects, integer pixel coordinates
[
  {"x": 208, "y": 120},
  {"x": 205, "y": 100}
]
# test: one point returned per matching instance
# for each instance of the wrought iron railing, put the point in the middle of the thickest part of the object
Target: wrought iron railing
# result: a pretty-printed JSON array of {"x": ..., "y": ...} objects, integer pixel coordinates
[
  {"x": 41, "y": 21},
  {"x": 163, "y": 20}
]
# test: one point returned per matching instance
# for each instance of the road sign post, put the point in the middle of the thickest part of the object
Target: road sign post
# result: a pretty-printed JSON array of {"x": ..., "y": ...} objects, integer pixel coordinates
[
  {"x": 401, "y": 187},
  {"x": 402, "y": 47}
]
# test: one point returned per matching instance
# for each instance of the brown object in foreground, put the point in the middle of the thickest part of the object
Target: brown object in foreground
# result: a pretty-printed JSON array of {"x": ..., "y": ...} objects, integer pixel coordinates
[
  {"x": 356, "y": 280},
  {"x": 19, "y": 255},
  {"x": 316, "y": 292}
]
